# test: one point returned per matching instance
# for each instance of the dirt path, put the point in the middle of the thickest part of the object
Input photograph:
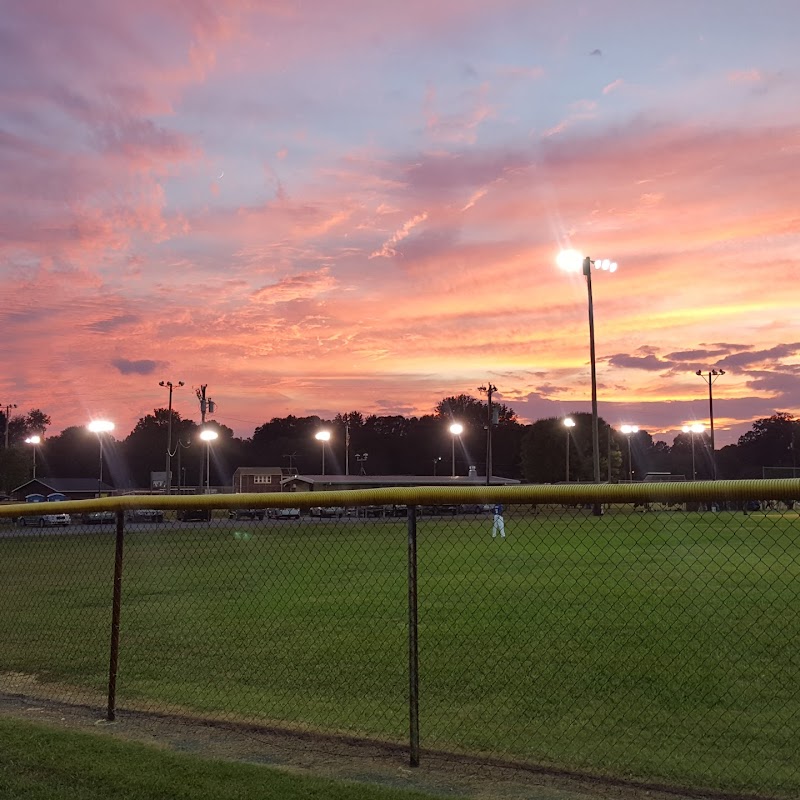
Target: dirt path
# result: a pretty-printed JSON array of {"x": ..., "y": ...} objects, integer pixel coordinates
[{"x": 342, "y": 759}]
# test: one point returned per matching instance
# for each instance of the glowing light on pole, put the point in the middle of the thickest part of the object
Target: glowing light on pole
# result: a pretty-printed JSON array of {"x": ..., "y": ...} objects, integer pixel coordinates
[
  {"x": 99, "y": 427},
  {"x": 575, "y": 261},
  {"x": 628, "y": 430},
  {"x": 34, "y": 441},
  {"x": 208, "y": 435},
  {"x": 693, "y": 429},
  {"x": 456, "y": 429},
  {"x": 569, "y": 423},
  {"x": 323, "y": 437}
]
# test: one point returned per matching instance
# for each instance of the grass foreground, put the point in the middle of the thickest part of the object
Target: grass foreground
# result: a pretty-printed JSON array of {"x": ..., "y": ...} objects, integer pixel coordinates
[{"x": 41, "y": 763}]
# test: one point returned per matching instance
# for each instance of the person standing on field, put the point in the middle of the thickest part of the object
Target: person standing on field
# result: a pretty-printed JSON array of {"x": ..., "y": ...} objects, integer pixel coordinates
[{"x": 499, "y": 525}]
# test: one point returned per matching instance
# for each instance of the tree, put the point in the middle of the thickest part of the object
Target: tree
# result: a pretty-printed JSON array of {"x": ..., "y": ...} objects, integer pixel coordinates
[
  {"x": 470, "y": 411},
  {"x": 770, "y": 443},
  {"x": 144, "y": 450},
  {"x": 544, "y": 450}
]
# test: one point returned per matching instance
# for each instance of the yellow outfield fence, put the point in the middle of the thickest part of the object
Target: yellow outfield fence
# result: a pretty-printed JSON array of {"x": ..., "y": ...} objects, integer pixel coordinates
[{"x": 779, "y": 489}]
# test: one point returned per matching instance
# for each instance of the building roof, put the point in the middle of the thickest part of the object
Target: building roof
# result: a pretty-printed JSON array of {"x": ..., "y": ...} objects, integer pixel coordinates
[
  {"x": 66, "y": 485},
  {"x": 285, "y": 471},
  {"x": 374, "y": 481}
]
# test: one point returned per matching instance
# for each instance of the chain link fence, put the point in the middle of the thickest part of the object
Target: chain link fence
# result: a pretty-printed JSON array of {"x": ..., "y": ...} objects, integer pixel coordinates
[{"x": 655, "y": 643}]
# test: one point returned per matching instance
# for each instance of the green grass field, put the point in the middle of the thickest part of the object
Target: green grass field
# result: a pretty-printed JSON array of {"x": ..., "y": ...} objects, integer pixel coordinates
[{"x": 659, "y": 646}]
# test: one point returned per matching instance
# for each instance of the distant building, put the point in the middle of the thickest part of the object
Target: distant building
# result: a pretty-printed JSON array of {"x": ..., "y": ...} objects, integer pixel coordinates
[
  {"x": 260, "y": 479},
  {"x": 72, "y": 488},
  {"x": 319, "y": 483}
]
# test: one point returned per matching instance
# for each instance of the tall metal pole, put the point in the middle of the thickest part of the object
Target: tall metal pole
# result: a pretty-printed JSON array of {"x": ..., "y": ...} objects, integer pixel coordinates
[
  {"x": 630, "y": 460},
  {"x": 709, "y": 378},
  {"x": 711, "y": 425},
  {"x": 7, "y": 409},
  {"x": 489, "y": 389},
  {"x": 208, "y": 467},
  {"x": 567, "y": 476},
  {"x": 597, "y": 509},
  {"x": 116, "y": 613},
  {"x": 168, "y": 476},
  {"x": 413, "y": 640},
  {"x": 347, "y": 445},
  {"x": 694, "y": 471},
  {"x": 34, "y": 462},
  {"x": 587, "y": 271},
  {"x": 453, "y": 455}
]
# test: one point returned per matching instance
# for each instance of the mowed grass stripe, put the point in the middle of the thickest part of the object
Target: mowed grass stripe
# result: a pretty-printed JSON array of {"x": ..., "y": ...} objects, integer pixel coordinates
[{"x": 662, "y": 646}]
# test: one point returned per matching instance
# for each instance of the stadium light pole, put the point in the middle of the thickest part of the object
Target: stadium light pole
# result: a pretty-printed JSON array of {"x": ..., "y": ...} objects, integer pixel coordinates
[
  {"x": 693, "y": 429},
  {"x": 168, "y": 476},
  {"x": 99, "y": 427},
  {"x": 34, "y": 441},
  {"x": 569, "y": 423},
  {"x": 456, "y": 429},
  {"x": 710, "y": 378},
  {"x": 323, "y": 437},
  {"x": 362, "y": 459},
  {"x": 7, "y": 408},
  {"x": 208, "y": 435},
  {"x": 489, "y": 389},
  {"x": 575, "y": 261},
  {"x": 628, "y": 430}
]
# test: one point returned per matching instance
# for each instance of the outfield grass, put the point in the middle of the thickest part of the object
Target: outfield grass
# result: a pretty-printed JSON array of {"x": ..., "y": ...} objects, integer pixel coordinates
[
  {"x": 660, "y": 646},
  {"x": 40, "y": 763}
]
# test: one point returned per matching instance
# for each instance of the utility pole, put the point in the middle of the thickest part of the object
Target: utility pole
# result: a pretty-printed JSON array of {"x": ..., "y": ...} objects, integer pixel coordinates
[
  {"x": 168, "y": 476},
  {"x": 488, "y": 390},
  {"x": 8, "y": 408},
  {"x": 346, "y": 444},
  {"x": 206, "y": 404},
  {"x": 710, "y": 378}
]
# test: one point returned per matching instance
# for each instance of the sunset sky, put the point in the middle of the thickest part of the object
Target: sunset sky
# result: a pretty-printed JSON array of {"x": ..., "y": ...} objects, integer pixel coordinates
[{"x": 316, "y": 207}]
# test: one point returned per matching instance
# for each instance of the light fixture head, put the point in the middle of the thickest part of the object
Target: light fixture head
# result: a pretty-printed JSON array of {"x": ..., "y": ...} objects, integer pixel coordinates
[
  {"x": 456, "y": 429},
  {"x": 208, "y": 435},
  {"x": 100, "y": 426},
  {"x": 570, "y": 260},
  {"x": 628, "y": 429},
  {"x": 323, "y": 436},
  {"x": 33, "y": 440},
  {"x": 569, "y": 422}
]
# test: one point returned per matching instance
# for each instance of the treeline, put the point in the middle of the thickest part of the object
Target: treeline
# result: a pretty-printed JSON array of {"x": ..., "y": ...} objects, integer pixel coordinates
[{"x": 543, "y": 452}]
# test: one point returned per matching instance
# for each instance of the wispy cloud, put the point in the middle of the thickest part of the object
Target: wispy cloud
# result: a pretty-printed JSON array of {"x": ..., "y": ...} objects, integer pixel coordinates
[{"x": 388, "y": 250}]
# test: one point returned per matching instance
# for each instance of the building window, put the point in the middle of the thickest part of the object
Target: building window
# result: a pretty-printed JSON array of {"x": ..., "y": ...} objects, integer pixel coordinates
[{"x": 262, "y": 478}]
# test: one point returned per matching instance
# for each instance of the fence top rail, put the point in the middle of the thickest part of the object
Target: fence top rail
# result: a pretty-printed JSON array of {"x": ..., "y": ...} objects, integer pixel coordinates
[{"x": 678, "y": 492}]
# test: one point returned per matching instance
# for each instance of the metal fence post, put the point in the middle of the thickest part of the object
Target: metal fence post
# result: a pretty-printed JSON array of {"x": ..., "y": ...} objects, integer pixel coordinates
[
  {"x": 116, "y": 610},
  {"x": 413, "y": 645}
]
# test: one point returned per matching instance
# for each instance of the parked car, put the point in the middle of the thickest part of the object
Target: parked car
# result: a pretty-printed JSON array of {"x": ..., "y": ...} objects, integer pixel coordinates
[
  {"x": 144, "y": 515},
  {"x": 194, "y": 514},
  {"x": 246, "y": 513},
  {"x": 326, "y": 511},
  {"x": 45, "y": 520},
  {"x": 285, "y": 513},
  {"x": 98, "y": 518}
]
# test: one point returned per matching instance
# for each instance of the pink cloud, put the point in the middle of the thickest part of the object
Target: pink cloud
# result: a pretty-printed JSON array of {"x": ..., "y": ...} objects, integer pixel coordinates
[
  {"x": 613, "y": 86},
  {"x": 387, "y": 250}
]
